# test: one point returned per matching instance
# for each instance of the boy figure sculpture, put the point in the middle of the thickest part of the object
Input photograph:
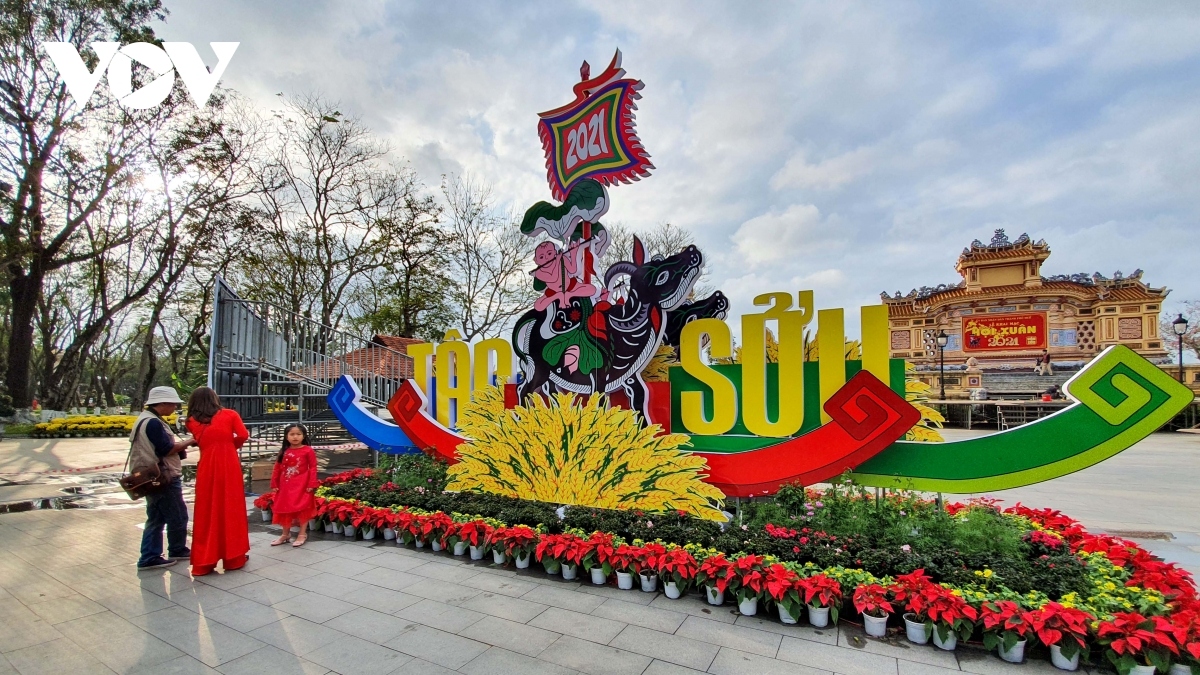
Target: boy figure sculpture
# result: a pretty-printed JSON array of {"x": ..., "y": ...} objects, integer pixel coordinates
[{"x": 152, "y": 443}]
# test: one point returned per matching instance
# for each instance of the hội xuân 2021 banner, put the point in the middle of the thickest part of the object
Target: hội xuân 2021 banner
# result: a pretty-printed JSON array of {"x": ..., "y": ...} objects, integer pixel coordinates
[{"x": 1004, "y": 332}]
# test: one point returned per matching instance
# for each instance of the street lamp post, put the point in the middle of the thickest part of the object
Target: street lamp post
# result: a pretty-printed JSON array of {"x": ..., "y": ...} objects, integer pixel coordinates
[
  {"x": 942, "y": 339},
  {"x": 1180, "y": 326}
]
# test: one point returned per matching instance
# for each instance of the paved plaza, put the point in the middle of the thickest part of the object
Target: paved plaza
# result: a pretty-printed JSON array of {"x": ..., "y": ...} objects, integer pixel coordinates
[{"x": 71, "y": 600}]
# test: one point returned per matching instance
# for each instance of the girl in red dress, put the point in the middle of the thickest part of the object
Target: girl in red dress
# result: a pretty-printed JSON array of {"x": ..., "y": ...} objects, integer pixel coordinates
[
  {"x": 294, "y": 482},
  {"x": 219, "y": 528}
]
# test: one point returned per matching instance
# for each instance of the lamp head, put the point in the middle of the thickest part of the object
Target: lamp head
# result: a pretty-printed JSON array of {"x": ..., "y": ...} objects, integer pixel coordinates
[
  {"x": 942, "y": 338},
  {"x": 1179, "y": 325}
]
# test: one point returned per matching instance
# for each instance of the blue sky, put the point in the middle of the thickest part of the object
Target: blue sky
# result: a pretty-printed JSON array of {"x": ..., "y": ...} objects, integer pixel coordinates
[{"x": 844, "y": 148}]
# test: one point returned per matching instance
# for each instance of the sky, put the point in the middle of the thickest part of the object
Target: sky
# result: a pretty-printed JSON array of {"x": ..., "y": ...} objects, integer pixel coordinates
[{"x": 846, "y": 148}]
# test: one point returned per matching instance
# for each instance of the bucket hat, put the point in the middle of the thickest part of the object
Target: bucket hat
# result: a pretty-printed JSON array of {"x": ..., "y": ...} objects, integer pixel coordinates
[{"x": 163, "y": 395}]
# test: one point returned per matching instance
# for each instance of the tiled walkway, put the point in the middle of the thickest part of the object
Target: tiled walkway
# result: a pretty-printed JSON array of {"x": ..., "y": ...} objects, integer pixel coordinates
[{"x": 72, "y": 602}]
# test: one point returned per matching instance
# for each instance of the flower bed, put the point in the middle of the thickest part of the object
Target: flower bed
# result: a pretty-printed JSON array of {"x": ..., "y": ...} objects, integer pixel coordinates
[
  {"x": 975, "y": 571},
  {"x": 88, "y": 426}
]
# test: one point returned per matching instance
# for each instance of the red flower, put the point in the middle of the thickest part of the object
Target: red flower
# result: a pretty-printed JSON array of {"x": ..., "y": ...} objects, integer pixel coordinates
[
  {"x": 715, "y": 571},
  {"x": 872, "y": 599}
]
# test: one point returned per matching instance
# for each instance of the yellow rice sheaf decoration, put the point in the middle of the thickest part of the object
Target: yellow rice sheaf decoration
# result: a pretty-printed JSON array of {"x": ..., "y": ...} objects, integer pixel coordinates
[{"x": 588, "y": 454}]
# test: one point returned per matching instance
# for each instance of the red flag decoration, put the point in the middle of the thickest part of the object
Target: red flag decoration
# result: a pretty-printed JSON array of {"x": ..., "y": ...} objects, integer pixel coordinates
[{"x": 593, "y": 136}]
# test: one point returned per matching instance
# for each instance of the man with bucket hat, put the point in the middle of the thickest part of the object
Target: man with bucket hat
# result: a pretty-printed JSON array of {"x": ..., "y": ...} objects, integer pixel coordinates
[{"x": 151, "y": 443}]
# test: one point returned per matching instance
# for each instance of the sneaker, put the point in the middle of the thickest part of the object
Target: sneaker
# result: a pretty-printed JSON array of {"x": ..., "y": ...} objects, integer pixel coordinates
[
  {"x": 155, "y": 563},
  {"x": 187, "y": 553}
]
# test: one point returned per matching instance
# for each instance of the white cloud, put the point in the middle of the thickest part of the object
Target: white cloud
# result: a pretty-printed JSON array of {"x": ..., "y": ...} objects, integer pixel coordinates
[
  {"x": 776, "y": 236},
  {"x": 826, "y": 174}
]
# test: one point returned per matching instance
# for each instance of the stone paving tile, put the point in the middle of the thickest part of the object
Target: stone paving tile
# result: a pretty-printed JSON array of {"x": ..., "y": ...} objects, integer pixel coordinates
[
  {"x": 257, "y": 563},
  {"x": 666, "y": 647},
  {"x": 370, "y": 625},
  {"x": 422, "y": 667},
  {"x": 267, "y": 591},
  {"x": 245, "y": 615},
  {"x": 735, "y": 637},
  {"x": 43, "y": 589},
  {"x": 197, "y": 597},
  {"x": 296, "y": 635},
  {"x": 314, "y": 607},
  {"x": 584, "y": 626},
  {"x": 510, "y": 635},
  {"x": 342, "y": 567},
  {"x": 914, "y": 668},
  {"x": 352, "y": 552},
  {"x": 592, "y": 658},
  {"x": 25, "y": 631},
  {"x": 390, "y": 579},
  {"x": 564, "y": 597},
  {"x": 296, "y": 556},
  {"x": 357, "y": 656},
  {"x": 696, "y": 605},
  {"x": 396, "y": 560},
  {"x": 117, "y": 643},
  {"x": 286, "y": 572},
  {"x": 80, "y": 574},
  {"x": 440, "y": 615},
  {"x": 436, "y": 646},
  {"x": 66, "y": 609},
  {"x": 183, "y": 665},
  {"x": 661, "y": 620},
  {"x": 615, "y": 593},
  {"x": 271, "y": 661},
  {"x": 452, "y": 573},
  {"x": 380, "y": 599},
  {"x": 733, "y": 662},
  {"x": 496, "y": 660},
  {"x": 331, "y": 585},
  {"x": 53, "y": 658},
  {"x": 131, "y": 603},
  {"x": 206, "y": 640},
  {"x": 502, "y": 584},
  {"x": 840, "y": 659},
  {"x": 513, "y": 609},
  {"x": 973, "y": 660},
  {"x": 229, "y": 580},
  {"x": 896, "y": 646},
  {"x": 441, "y": 591},
  {"x": 827, "y": 636}
]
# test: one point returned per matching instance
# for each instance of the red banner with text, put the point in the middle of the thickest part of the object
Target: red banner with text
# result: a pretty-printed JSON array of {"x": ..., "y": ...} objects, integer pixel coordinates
[{"x": 990, "y": 333}]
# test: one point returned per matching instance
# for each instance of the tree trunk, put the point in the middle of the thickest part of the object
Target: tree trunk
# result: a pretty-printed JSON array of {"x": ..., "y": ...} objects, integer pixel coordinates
[
  {"x": 148, "y": 363},
  {"x": 24, "y": 290}
]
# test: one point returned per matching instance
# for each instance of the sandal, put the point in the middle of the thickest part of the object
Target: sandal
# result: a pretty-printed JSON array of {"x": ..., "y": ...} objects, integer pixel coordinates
[
  {"x": 281, "y": 541},
  {"x": 299, "y": 542}
]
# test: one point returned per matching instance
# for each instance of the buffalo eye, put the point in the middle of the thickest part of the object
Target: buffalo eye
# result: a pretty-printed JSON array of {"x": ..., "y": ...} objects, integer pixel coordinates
[{"x": 662, "y": 278}]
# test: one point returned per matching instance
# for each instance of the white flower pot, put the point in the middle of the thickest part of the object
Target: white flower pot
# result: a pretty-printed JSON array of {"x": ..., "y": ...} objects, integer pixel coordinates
[
  {"x": 552, "y": 567},
  {"x": 368, "y": 533},
  {"x": 522, "y": 561},
  {"x": 266, "y": 514},
  {"x": 337, "y": 527},
  {"x": 1180, "y": 669},
  {"x": 499, "y": 557},
  {"x": 435, "y": 545},
  {"x": 1061, "y": 662},
  {"x": 1143, "y": 670},
  {"x": 460, "y": 548},
  {"x": 915, "y": 630},
  {"x": 570, "y": 571},
  {"x": 388, "y": 534},
  {"x": 818, "y": 616},
  {"x": 419, "y": 542},
  {"x": 787, "y": 618},
  {"x": 714, "y": 596},
  {"x": 329, "y": 527},
  {"x": 624, "y": 581},
  {"x": 876, "y": 626},
  {"x": 477, "y": 552},
  {"x": 598, "y": 577},
  {"x": 672, "y": 590},
  {"x": 348, "y": 530},
  {"x": 649, "y": 583},
  {"x": 948, "y": 644},
  {"x": 748, "y": 607},
  {"x": 1014, "y": 655},
  {"x": 314, "y": 525}
]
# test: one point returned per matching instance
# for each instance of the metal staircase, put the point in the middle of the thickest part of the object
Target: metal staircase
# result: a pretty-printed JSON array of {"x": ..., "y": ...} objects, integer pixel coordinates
[{"x": 275, "y": 367}]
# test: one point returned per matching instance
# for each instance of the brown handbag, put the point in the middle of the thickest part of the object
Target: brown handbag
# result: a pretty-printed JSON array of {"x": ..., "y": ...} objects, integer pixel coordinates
[{"x": 144, "y": 482}]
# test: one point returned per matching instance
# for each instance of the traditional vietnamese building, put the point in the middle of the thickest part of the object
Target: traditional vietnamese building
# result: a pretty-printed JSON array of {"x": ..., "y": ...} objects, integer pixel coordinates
[{"x": 1003, "y": 313}]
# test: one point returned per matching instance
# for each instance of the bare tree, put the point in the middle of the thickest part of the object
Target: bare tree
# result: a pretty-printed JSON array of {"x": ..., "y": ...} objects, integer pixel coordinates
[
  {"x": 1191, "y": 337},
  {"x": 489, "y": 257}
]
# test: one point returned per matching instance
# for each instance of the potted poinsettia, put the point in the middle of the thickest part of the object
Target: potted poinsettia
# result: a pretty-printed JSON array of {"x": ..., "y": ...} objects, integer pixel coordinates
[
  {"x": 620, "y": 562},
  {"x": 1006, "y": 627},
  {"x": 322, "y": 507},
  {"x": 1186, "y": 625},
  {"x": 714, "y": 574},
  {"x": 434, "y": 527},
  {"x": 748, "y": 582},
  {"x": 784, "y": 590},
  {"x": 263, "y": 503},
  {"x": 366, "y": 521},
  {"x": 407, "y": 525},
  {"x": 1064, "y": 630},
  {"x": 598, "y": 550},
  {"x": 518, "y": 543},
  {"x": 473, "y": 534},
  {"x": 1138, "y": 644},
  {"x": 560, "y": 552},
  {"x": 913, "y": 592},
  {"x": 647, "y": 563},
  {"x": 678, "y": 569},
  {"x": 344, "y": 512},
  {"x": 871, "y": 601},
  {"x": 823, "y": 595},
  {"x": 950, "y": 618}
]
